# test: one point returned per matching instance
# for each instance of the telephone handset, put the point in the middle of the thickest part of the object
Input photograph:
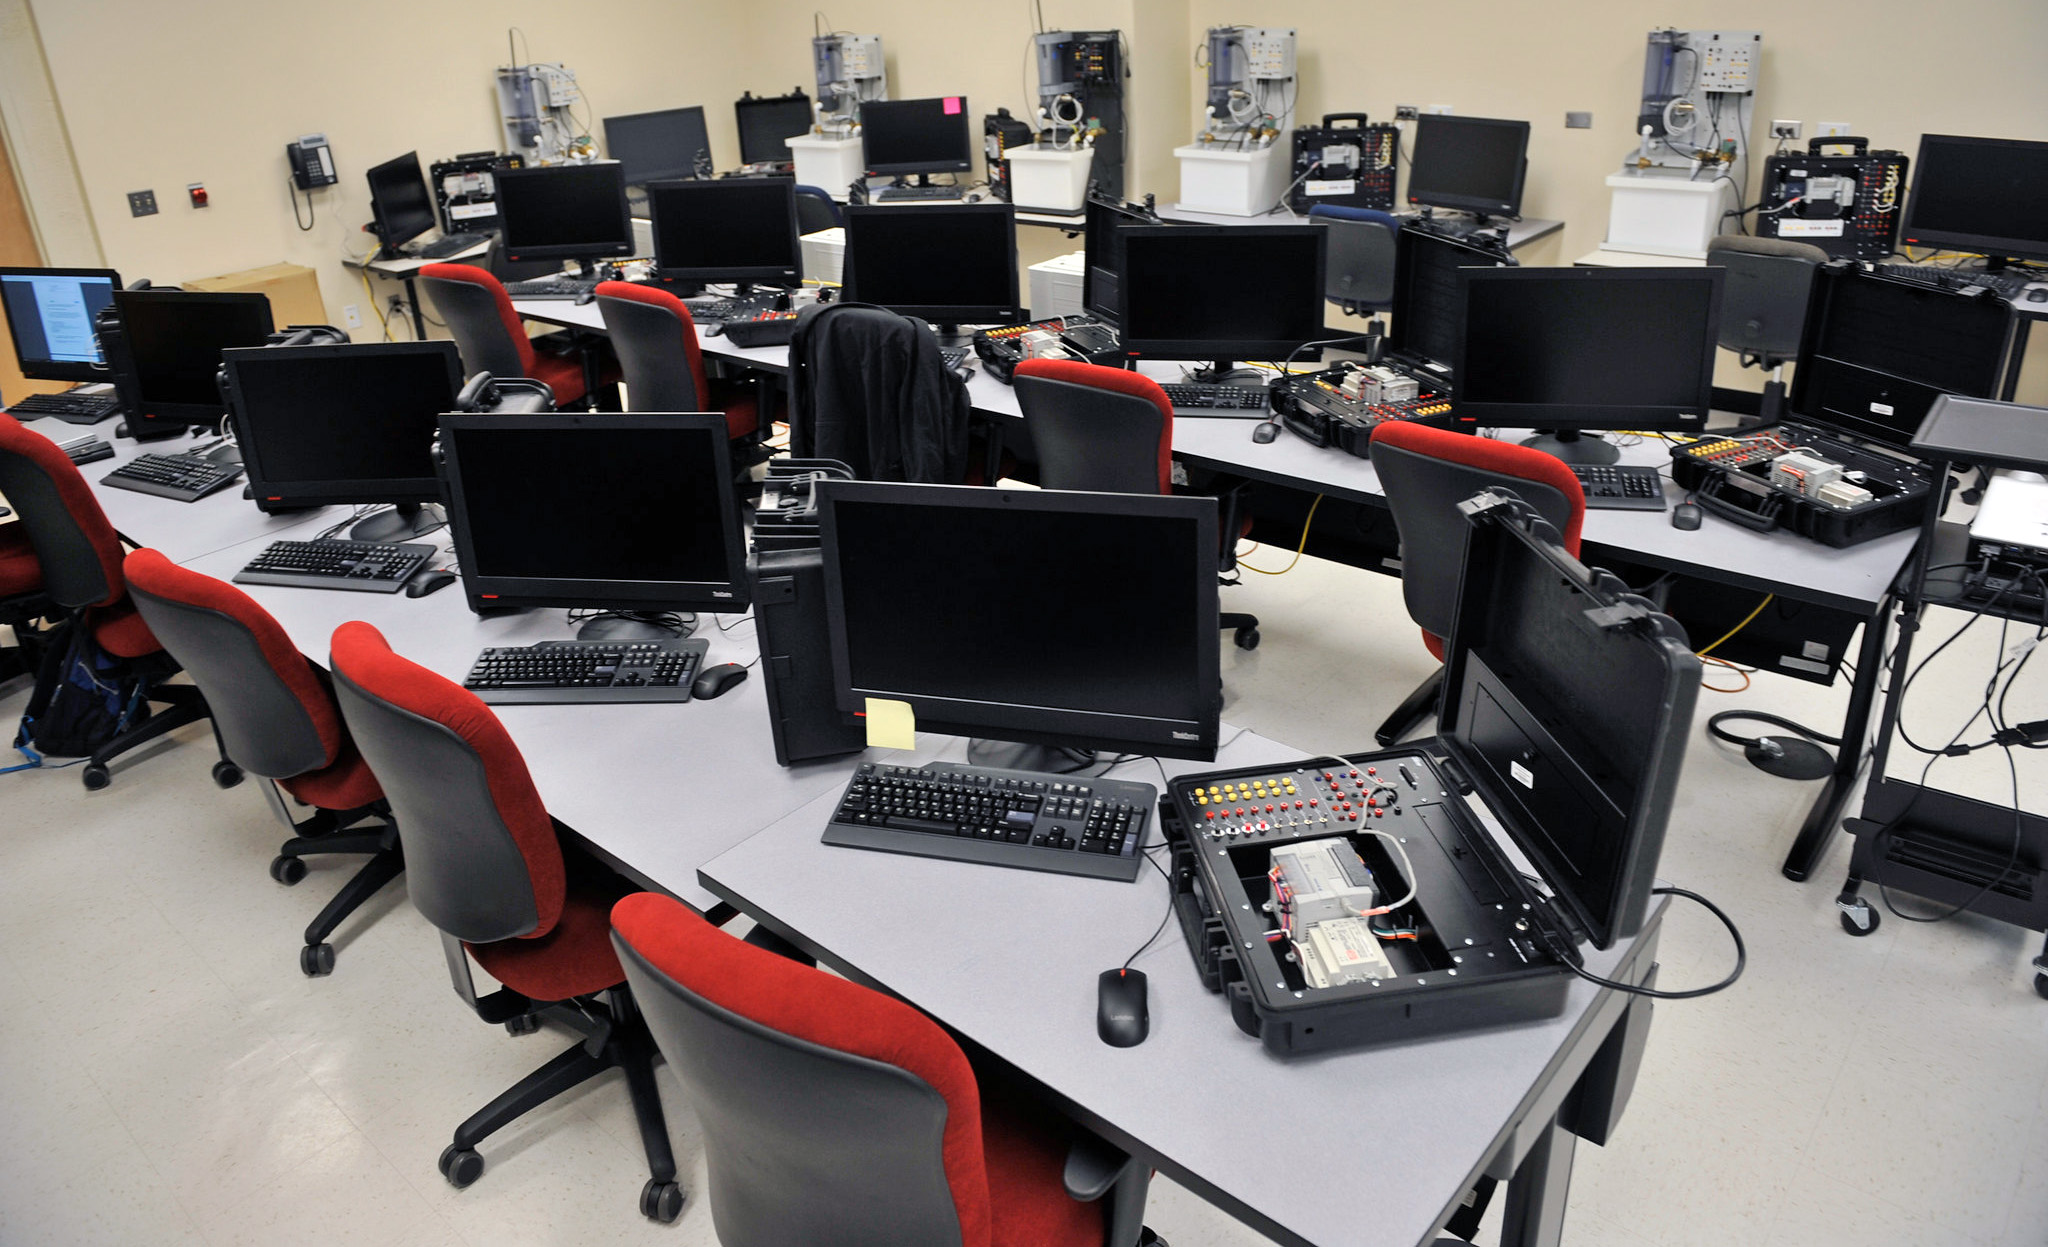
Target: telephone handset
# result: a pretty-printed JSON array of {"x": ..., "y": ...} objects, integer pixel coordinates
[{"x": 312, "y": 162}]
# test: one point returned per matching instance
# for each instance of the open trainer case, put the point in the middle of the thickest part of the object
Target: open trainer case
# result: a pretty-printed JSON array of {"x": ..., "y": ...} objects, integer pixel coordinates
[{"x": 1567, "y": 700}]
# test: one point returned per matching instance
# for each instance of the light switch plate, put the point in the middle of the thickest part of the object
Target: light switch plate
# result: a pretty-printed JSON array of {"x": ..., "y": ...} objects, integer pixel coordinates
[{"x": 141, "y": 203}]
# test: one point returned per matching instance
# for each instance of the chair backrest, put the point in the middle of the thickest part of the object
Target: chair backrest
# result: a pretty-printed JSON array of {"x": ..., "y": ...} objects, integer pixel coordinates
[
  {"x": 275, "y": 715},
  {"x": 480, "y": 319},
  {"x": 869, "y": 388},
  {"x": 1427, "y": 472},
  {"x": 482, "y": 859},
  {"x": 1764, "y": 296},
  {"x": 1101, "y": 429},
  {"x": 74, "y": 542},
  {"x": 831, "y": 1113},
  {"x": 1358, "y": 270},
  {"x": 815, "y": 210},
  {"x": 656, "y": 341}
]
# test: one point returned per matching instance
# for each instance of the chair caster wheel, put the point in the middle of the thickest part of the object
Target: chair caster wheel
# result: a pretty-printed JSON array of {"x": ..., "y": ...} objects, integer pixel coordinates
[
  {"x": 661, "y": 1201},
  {"x": 317, "y": 960},
  {"x": 95, "y": 777},
  {"x": 2041, "y": 986},
  {"x": 524, "y": 1024},
  {"x": 461, "y": 1165},
  {"x": 1246, "y": 638},
  {"x": 287, "y": 870},
  {"x": 1146, "y": 1238},
  {"x": 1860, "y": 922},
  {"x": 226, "y": 774}
]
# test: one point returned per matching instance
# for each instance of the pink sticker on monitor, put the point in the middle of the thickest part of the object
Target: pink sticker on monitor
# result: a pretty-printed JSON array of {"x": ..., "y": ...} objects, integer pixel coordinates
[{"x": 952, "y": 105}]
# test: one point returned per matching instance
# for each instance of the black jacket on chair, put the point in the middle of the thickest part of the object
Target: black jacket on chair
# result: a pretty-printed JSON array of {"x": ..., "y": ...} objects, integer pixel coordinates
[{"x": 868, "y": 388}]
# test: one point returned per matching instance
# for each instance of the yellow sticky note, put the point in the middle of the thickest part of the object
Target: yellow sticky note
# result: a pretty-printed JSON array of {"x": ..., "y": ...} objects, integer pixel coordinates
[{"x": 891, "y": 724}]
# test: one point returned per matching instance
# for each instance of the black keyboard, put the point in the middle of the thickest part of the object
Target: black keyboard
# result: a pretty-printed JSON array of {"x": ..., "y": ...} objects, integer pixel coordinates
[
  {"x": 1615, "y": 488},
  {"x": 69, "y": 407},
  {"x": 898, "y": 194},
  {"x": 1214, "y": 398},
  {"x": 187, "y": 478},
  {"x": 451, "y": 244},
  {"x": 955, "y": 356},
  {"x": 366, "y": 565},
  {"x": 551, "y": 288},
  {"x": 2009, "y": 285},
  {"x": 733, "y": 309},
  {"x": 586, "y": 672},
  {"x": 1067, "y": 824},
  {"x": 86, "y": 450}
]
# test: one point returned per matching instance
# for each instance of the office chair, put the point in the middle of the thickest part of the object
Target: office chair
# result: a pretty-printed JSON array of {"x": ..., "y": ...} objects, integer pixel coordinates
[
  {"x": 1358, "y": 273},
  {"x": 835, "y": 1114},
  {"x": 869, "y": 388},
  {"x": 275, "y": 712},
  {"x": 663, "y": 364},
  {"x": 1426, "y": 473},
  {"x": 492, "y": 338},
  {"x": 1763, "y": 305},
  {"x": 78, "y": 558},
  {"x": 815, "y": 210},
  {"x": 1106, "y": 430},
  {"x": 22, "y": 600},
  {"x": 486, "y": 865}
]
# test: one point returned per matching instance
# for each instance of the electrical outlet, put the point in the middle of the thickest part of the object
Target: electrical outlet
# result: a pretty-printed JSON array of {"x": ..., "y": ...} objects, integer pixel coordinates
[
  {"x": 1578, "y": 121},
  {"x": 352, "y": 316},
  {"x": 1787, "y": 129},
  {"x": 1404, "y": 112},
  {"x": 1441, "y": 109},
  {"x": 141, "y": 203},
  {"x": 1829, "y": 129}
]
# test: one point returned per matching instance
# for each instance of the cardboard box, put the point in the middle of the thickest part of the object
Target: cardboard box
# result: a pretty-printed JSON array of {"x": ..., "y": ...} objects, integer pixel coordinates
[{"x": 293, "y": 291}]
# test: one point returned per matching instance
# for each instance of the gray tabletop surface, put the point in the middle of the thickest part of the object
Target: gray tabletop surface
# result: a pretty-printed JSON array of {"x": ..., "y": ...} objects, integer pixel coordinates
[{"x": 1520, "y": 233}]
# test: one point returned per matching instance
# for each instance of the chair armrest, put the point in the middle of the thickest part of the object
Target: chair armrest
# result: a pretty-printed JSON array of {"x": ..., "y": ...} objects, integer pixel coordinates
[{"x": 1093, "y": 1167}]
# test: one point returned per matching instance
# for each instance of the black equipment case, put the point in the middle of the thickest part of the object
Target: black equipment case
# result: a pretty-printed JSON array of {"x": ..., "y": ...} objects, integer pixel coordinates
[
  {"x": 1350, "y": 166},
  {"x": 1567, "y": 703},
  {"x": 1802, "y": 198}
]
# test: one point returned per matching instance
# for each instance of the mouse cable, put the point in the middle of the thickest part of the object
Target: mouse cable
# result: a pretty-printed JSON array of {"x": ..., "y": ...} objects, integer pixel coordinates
[
  {"x": 1168, "y": 917},
  {"x": 1741, "y": 958}
]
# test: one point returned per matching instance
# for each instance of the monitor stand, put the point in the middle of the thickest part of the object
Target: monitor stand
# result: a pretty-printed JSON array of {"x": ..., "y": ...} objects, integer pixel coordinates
[
  {"x": 151, "y": 430},
  {"x": 1013, "y": 756},
  {"x": 401, "y": 523},
  {"x": 627, "y": 626},
  {"x": 1223, "y": 372},
  {"x": 1576, "y": 448}
]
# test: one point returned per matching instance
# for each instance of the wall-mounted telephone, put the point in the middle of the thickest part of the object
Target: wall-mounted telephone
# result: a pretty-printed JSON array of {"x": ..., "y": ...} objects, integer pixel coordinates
[{"x": 312, "y": 162}]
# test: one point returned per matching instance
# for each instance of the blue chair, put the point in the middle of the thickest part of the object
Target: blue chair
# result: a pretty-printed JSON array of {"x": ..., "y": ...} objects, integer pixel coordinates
[
  {"x": 815, "y": 210},
  {"x": 1359, "y": 274}
]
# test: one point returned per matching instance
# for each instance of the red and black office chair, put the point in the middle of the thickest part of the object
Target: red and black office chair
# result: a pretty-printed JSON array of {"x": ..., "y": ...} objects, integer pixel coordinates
[
  {"x": 1107, "y": 430},
  {"x": 1425, "y": 473},
  {"x": 835, "y": 1114},
  {"x": 22, "y": 599},
  {"x": 277, "y": 719},
  {"x": 485, "y": 864},
  {"x": 78, "y": 556},
  {"x": 663, "y": 364},
  {"x": 492, "y": 338}
]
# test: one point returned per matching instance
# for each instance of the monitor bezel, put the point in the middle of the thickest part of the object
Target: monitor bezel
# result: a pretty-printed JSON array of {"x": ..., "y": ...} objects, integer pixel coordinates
[
  {"x": 731, "y": 595},
  {"x": 268, "y": 490},
  {"x": 762, "y": 104},
  {"x": 1039, "y": 725},
  {"x": 939, "y": 313},
  {"x": 622, "y": 246},
  {"x": 57, "y": 370},
  {"x": 128, "y": 380},
  {"x": 399, "y": 164},
  {"x": 1199, "y": 348},
  {"x": 703, "y": 123},
  {"x": 1573, "y": 417},
  {"x": 785, "y": 275},
  {"x": 1512, "y": 207},
  {"x": 898, "y": 168},
  {"x": 1980, "y": 244}
]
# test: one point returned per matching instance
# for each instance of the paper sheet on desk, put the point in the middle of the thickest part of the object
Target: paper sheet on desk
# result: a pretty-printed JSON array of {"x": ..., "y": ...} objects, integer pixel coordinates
[{"x": 891, "y": 724}]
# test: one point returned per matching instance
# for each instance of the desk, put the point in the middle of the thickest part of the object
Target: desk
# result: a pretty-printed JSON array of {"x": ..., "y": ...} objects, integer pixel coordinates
[
  {"x": 406, "y": 268},
  {"x": 1522, "y": 233}
]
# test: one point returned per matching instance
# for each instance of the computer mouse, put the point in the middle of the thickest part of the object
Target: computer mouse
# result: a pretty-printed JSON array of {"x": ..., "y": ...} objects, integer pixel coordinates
[
  {"x": 1686, "y": 515},
  {"x": 588, "y": 296},
  {"x": 1121, "y": 1018},
  {"x": 1265, "y": 432},
  {"x": 428, "y": 580},
  {"x": 2037, "y": 294},
  {"x": 716, "y": 681}
]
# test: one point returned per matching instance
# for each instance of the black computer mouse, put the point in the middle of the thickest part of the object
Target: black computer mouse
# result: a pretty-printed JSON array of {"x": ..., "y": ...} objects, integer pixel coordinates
[
  {"x": 1121, "y": 1018},
  {"x": 1266, "y": 431},
  {"x": 428, "y": 580},
  {"x": 716, "y": 681},
  {"x": 2038, "y": 294},
  {"x": 588, "y": 296},
  {"x": 1686, "y": 515}
]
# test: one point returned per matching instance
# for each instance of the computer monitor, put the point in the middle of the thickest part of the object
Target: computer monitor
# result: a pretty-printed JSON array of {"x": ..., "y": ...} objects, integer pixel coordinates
[
  {"x": 733, "y": 229},
  {"x": 953, "y": 264},
  {"x": 401, "y": 202},
  {"x": 767, "y": 125},
  {"x": 166, "y": 359},
  {"x": 1574, "y": 349},
  {"x": 1102, "y": 257},
  {"x": 659, "y": 147},
  {"x": 51, "y": 315},
  {"x": 565, "y": 212},
  {"x": 1474, "y": 164},
  {"x": 916, "y": 136},
  {"x": 348, "y": 423},
  {"x": 1021, "y": 636},
  {"x": 1981, "y": 195},
  {"x": 1428, "y": 315},
  {"x": 620, "y": 513},
  {"x": 1222, "y": 292}
]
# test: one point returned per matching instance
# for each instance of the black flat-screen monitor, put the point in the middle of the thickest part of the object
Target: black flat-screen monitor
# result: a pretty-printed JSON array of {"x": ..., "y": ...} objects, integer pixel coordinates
[
  {"x": 1427, "y": 311},
  {"x": 916, "y": 136},
  {"x": 611, "y": 512},
  {"x": 565, "y": 212},
  {"x": 1018, "y": 639},
  {"x": 767, "y": 125},
  {"x": 1222, "y": 292},
  {"x": 1102, "y": 257},
  {"x": 1572, "y": 349},
  {"x": 1988, "y": 196},
  {"x": 663, "y": 146},
  {"x": 955, "y": 264},
  {"x": 167, "y": 367},
  {"x": 400, "y": 201},
  {"x": 732, "y": 229},
  {"x": 51, "y": 317},
  {"x": 1475, "y": 164}
]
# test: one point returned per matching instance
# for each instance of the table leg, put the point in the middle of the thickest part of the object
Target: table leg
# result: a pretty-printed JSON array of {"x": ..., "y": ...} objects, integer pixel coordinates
[
  {"x": 419, "y": 320},
  {"x": 2017, "y": 359},
  {"x": 1534, "y": 1216},
  {"x": 1825, "y": 815}
]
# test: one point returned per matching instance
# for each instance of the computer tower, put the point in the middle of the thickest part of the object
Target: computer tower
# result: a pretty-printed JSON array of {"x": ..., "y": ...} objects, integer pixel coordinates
[{"x": 796, "y": 657}]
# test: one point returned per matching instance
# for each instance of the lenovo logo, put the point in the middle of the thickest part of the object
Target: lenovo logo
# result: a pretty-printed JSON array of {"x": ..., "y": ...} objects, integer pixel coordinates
[
  {"x": 1185, "y": 736},
  {"x": 721, "y": 593}
]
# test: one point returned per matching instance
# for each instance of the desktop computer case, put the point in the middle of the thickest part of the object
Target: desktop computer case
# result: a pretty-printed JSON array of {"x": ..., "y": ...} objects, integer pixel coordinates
[
  {"x": 1490, "y": 949},
  {"x": 788, "y": 572}
]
